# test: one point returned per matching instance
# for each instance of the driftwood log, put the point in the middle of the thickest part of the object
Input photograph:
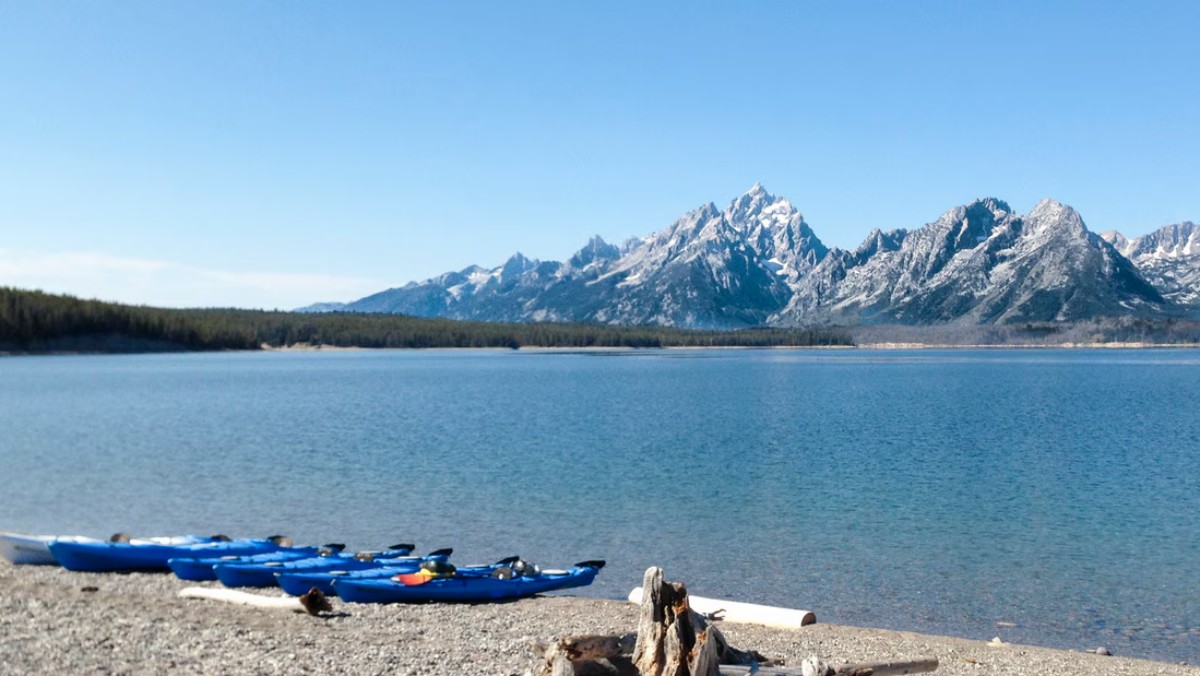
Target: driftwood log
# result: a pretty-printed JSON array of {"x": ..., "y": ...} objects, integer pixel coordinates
[
  {"x": 313, "y": 602},
  {"x": 674, "y": 640},
  {"x": 729, "y": 612}
]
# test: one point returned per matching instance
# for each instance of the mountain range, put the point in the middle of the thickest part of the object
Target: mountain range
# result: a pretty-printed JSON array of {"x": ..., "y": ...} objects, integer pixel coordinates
[
  {"x": 756, "y": 262},
  {"x": 1169, "y": 258}
]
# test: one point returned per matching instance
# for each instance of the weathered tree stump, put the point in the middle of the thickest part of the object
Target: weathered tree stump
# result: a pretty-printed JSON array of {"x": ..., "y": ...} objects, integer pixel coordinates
[{"x": 673, "y": 640}]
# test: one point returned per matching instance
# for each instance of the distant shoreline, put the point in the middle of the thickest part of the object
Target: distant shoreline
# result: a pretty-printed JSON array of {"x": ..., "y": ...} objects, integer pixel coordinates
[
  {"x": 879, "y": 347},
  {"x": 38, "y": 323},
  {"x": 1047, "y": 346}
]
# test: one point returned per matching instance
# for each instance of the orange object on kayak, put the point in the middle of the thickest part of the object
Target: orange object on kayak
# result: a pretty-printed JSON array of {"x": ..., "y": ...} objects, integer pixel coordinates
[{"x": 413, "y": 579}]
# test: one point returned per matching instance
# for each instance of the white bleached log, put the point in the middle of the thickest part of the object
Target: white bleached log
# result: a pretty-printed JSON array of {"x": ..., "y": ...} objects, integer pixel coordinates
[
  {"x": 747, "y": 613},
  {"x": 818, "y": 667},
  {"x": 242, "y": 598}
]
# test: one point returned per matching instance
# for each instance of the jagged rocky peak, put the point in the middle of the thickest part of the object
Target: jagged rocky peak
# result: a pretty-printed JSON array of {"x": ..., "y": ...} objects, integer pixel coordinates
[
  {"x": 1173, "y": 241},
  {"x": 979, "y": 210},
  {"x": 1184, "y": 237},
  {"x": 878, "y": 241},
  {"x": 596, "y": 250},
  {"x": 997, "y": 207},
  {"x": 1050, "y": 214},
  {"x": 1169, "y": 258},
  {"x": 776, "y": 230},
  {"x": 997, "y": 210},
  {"x": 974, "y": 222},
  {"x": 449, "y": 278},
  {"x": 1119, "y": 242},
  {"x": 705, "y": 222},
  {"x": 758, "y": 208},
  {"x": 698, "y": 230},
  {"x": 754, "y": 202},
  {"x": 631, "y": 244},
  {"x": 962, "y": 228},
  {"x": 516, "y": 265}
]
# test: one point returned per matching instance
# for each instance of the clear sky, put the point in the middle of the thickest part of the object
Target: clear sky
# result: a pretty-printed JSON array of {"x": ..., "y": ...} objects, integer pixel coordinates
[{"x": 275, "y": 154}]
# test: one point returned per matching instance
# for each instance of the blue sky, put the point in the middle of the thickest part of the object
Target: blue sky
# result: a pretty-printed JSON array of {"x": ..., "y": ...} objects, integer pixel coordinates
[{"x": 274, "y": 154}]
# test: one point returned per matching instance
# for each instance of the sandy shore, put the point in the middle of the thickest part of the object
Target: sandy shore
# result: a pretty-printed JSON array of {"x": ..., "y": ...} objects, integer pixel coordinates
[{"x": 135, "y": 624}]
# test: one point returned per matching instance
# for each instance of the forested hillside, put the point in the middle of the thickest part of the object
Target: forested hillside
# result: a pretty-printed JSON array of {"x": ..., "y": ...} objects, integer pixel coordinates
[{"x": 32, "y": 321}]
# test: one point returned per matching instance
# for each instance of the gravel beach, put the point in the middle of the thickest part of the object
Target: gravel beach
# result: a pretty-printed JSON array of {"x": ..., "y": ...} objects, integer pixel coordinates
[{"x": 136, "y": 624}]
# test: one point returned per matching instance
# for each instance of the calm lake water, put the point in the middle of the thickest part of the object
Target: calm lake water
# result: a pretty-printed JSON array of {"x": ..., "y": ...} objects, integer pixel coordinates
[{"x": 941, "y": 492}]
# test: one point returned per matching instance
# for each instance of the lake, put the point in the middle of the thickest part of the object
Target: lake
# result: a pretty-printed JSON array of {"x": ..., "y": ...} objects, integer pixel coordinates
[{"x": 935, "y": 491}]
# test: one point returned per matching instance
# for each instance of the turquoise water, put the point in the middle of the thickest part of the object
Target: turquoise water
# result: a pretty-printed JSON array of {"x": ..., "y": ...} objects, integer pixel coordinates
[{"x": 941, "y": 492}]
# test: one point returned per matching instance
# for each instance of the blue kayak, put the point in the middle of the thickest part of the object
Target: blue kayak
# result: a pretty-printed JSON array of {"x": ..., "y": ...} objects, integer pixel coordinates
[
  {"x": 145, "y": 555},
  {"x": 300, "y": 582},
  {"x": 200, "y": 567},
  {"x": 466, "y": 588},
  {"x": 22, "y": 549},
  {"x": 260, "y": 571}
]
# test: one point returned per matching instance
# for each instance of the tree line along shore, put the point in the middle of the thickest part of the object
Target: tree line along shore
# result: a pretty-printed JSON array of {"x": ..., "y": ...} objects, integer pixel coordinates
[
  {"x": 33, "y": 322},
  {"x": 37, "y": 322}
]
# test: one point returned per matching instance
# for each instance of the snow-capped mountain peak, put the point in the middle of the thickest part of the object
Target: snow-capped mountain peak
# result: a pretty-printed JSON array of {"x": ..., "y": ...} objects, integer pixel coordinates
[
  {"x": 516, "y": 265},
  {"x": 596, "y": 251},
  {"x": 1168, "y": 257},
  {"x": 1050, "y": 213},
  {"x": 776, "y": 231},
  {"x": 757, "y": 207}
]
